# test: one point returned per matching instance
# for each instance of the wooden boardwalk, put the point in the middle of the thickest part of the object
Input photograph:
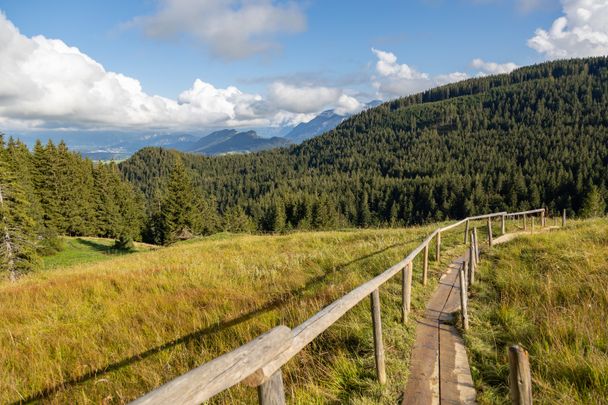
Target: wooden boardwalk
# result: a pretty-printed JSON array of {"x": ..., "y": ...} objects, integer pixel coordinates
[{"x": 439, "y": 372}]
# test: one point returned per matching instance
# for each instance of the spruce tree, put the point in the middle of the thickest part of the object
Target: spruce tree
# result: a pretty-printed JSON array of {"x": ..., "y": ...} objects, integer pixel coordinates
[
  {"x": 594, "y": 204},
  {"x": 17, "y": 235},
  {"x": 177, "y": 213}
]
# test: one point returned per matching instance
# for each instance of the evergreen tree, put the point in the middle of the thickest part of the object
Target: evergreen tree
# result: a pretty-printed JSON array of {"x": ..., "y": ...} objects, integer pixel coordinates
[
  {"x": 177, "y": 214},
  {"x": 594, "y": 204},
  {"x": 237, "y": 221},
  {"x": 17, "y": 228}
]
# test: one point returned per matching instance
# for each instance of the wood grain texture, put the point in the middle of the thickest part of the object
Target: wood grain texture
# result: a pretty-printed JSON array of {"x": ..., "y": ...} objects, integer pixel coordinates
[
  {"x": 520, "y": 380},
  {"x": 463, "y": 298},
  {"x": 406, "y": 288},
  {"x": 378, "y": 343},
  {"x": 272, "y": 392},
  {"x": 211, "y": 378}
]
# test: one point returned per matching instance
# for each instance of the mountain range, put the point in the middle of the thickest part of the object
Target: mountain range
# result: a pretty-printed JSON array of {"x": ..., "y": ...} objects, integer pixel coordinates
[{"x": 218, "y": 142}]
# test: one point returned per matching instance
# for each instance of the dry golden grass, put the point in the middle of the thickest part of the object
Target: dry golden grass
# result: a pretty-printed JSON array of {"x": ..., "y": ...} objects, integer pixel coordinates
[
  {"x": 112, "y": 330},
  {"x": 547, "y": 292}
]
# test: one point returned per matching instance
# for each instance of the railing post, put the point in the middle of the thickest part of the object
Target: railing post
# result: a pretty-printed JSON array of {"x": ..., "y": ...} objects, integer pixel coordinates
[
  {"x": 490, "y": 239},
  {"x": 272, "y": 392},
  {"x": 378, "y": 345},
  {"x": 463, "y": 299},
  {"x": 466, "y": 233},
  {"x": 425, "y": 265},
  {"x": 438, "y": 247},
  {"x": 520, "y": 381},
  {"x": 542, "y": 219},
  {"x": 472, "y": 264},
  {"x": 525, "y": 225},
  {"x": 476, "y": 244},
  {"x": 564, "y": 217},
  {"x": 406, "y": 289},
  {"x": 532, "y": 225},
  {"x": 503, "y": 227}
]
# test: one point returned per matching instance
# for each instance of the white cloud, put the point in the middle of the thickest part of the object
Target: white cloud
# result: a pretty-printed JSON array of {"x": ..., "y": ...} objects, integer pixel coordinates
[
  {"x": 395, "y": 80},
  {"x": 492, "y": 68},
  {"x": 48, "y": 84},
  {"x": 582, "y": 31},
  {"x": 451, "y": 78},
  {"x": 310, "y": 98},
  {"x": 232, "y": 29}
]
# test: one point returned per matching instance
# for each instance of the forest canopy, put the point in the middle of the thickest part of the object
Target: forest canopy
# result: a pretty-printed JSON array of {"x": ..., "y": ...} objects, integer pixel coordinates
[{"x": 532, "y": 138}]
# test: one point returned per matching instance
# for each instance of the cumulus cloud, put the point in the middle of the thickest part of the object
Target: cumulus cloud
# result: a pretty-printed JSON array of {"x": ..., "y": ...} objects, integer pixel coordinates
[
  {"x": 395, "y": 80},
  {"x": 232, "y": 29},
  {"x": 492, "y": 68},
  {"x": 309, "y": 99},
  {"x": 48, "y": 84},
  {"x": 582, "y": 31}
]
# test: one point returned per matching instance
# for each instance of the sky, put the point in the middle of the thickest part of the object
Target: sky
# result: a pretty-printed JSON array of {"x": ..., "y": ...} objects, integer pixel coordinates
[{"x": 175, "y": 65}]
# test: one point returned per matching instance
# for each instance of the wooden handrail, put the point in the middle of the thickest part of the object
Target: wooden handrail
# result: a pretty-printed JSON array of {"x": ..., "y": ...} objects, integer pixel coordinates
[
  {"x": 259, "y": 362},
  {"x": 221, "y": 373},
  {"x": 536, "y": 211}
]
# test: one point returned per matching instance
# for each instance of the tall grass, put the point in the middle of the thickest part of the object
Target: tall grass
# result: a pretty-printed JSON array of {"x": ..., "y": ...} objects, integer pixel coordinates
[
  {"x": 548, "y": 293},
  {"x": 83, "y": 250},
  {"x": 110, "y": 331}
]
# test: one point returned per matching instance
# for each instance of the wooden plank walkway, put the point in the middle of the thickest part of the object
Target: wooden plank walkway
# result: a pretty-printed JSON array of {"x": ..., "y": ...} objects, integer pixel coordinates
[{"x": 439, "y": 371}]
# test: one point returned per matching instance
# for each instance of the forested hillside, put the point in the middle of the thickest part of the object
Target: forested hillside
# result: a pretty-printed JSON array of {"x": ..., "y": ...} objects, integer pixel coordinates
[
  {"x": 535, "y": 137},
  {"x": 51, "y": 191}
]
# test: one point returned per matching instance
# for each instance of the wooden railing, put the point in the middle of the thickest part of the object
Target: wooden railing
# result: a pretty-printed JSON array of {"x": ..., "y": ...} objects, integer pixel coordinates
[{"x": 259, "y": 362}]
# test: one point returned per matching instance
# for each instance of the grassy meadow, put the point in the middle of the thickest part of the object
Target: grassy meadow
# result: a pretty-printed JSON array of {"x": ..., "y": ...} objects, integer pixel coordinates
[
  {"x": 82, "y": 250},
  {"x": 108, "y": 331},
  {"x": 547, "y": 292}
]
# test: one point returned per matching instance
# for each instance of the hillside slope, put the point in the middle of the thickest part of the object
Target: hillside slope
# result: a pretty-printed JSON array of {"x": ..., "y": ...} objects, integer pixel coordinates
[
  {"x": 112, "y": 330},
  {"x": 547, "y": 293},
  {"x": 537, "y": 136}
]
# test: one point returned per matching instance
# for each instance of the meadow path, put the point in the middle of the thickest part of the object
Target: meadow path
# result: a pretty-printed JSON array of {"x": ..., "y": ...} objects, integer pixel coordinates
[{"x": 439, "y": 370}]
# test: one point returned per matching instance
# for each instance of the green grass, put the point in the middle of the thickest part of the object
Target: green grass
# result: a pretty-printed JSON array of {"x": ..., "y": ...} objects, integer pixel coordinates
[
  {"x": 81, "y": 250},
  {"x": 548, "y": 293},
  {"x": 111, "y": 330}
]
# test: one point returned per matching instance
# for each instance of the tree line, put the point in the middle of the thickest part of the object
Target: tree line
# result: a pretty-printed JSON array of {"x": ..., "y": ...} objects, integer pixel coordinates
[
  {"x": 537, "y": 137},
  {"x": 49, "y": 192}
]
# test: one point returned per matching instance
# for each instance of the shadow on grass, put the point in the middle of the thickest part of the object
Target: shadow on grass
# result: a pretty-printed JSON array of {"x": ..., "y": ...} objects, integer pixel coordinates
[
  {"x": 100, "y": 247},
  {"x": 277, "y": 302}
]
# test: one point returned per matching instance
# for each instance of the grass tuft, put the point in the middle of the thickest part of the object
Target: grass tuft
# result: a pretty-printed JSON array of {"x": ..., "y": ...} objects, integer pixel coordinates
[{"x": 548, "y": 293}]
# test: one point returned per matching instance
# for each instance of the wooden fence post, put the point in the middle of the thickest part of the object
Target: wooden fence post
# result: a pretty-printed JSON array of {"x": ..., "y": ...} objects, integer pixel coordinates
[
  {"x": 406, "y": 288},
  {"x": 438, "y": 247},
  {"x": 490, "y": 239},
  {"x": 476, "y": 244},
  {"x": 466, "y": 233},
  {"x": 532, "y": 220},
  {"x": 525, "y": 225},
  {"x": 472, "y": 264},
  {"x": 542, "y": 219},
  {"x": 272, "y": 392},
  {"x": 520, "y": 381},
  {"x": 564, "y": 217},
  {"x": 378, "y": 345},
  {"x": 503, "y": 225},
  {"x": 425, "y": 265},
  {"x": 463, "y": 299}
]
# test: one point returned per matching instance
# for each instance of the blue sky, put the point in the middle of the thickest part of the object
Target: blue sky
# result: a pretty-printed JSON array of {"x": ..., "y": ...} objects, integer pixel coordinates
[{"x": 263, "y": 62}]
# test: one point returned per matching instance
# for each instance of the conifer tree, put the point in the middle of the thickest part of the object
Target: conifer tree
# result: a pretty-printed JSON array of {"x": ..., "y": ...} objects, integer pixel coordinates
[
  {"x": 17, "y": 236},
  {"x": 177, "y": 214},
  {"x": 594, "y": 204}
]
